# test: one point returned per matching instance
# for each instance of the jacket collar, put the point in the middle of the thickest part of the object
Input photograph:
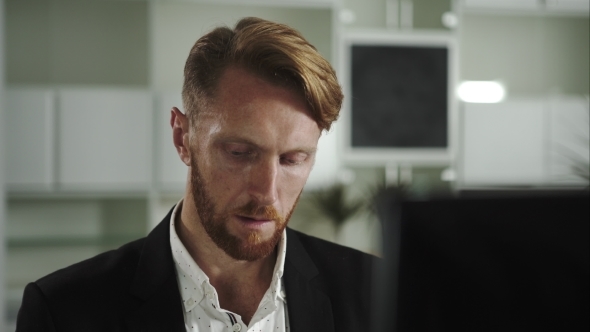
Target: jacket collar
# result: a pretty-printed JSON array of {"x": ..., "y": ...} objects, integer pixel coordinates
[
  {"x": 309, "y": 308},
  {"x": 155, "y": 283}
]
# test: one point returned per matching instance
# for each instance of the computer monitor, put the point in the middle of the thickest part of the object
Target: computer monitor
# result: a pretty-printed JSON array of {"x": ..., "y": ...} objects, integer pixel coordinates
[
  {"x": 484, "y": 264},
  {"x": 402, "y": 105}
]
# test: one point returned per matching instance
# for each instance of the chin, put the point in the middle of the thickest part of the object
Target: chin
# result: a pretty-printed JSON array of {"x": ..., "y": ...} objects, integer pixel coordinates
[{"x": 254, "y": 246}]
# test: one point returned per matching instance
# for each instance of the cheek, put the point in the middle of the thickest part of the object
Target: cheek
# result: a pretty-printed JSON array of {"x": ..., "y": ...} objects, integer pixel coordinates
[
  {"x": 225, "y": 180},
  {"x": 228, "y": 185},
  {"x": 291, "y": 186},
  {"x": 217, "y": 179}
]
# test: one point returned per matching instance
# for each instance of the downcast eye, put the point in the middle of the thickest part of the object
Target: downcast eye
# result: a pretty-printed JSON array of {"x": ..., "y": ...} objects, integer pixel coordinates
[
  {"x": 295, "y": 158},
  {"x": 238, "y": 150}
]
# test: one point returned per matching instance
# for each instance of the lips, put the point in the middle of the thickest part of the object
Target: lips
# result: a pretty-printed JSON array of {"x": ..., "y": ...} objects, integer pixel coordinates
[{"x": 254, "y": 219}]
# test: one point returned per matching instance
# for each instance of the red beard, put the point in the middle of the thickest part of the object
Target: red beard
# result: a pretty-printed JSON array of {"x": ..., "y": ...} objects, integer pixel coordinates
[{"x": 215, "y": 223}]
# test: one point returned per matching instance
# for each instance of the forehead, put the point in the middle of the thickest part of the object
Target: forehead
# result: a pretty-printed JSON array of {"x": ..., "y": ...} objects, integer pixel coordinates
[
  {"x": 248, "y": 104},
  {"x": 238, "y": 85}
]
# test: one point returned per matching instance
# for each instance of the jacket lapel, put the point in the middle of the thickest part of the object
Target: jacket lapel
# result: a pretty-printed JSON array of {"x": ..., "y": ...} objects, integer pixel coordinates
[
  {"x": 155, "y": 284},
  {"x": 309, "y": 308}
]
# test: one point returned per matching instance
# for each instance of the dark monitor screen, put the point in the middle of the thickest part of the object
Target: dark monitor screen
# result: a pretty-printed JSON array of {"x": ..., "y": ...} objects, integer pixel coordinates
[
  {"x": 505, "y": 264},
  {"x": 399, "y": 96}
]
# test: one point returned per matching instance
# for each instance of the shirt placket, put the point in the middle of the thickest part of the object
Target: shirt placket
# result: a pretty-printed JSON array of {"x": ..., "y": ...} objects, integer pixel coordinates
[{"x": 210, "y": 305}]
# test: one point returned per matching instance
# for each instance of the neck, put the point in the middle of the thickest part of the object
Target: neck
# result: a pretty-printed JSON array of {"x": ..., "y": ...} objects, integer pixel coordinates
[{"x": 221, "y": 268}]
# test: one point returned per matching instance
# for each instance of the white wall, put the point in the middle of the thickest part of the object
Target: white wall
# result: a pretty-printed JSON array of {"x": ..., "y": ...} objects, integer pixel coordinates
[
  {"x": 532, "y": 55},
  {"x": 178, "y": 25},
  {"x": 77, "y": 42}
]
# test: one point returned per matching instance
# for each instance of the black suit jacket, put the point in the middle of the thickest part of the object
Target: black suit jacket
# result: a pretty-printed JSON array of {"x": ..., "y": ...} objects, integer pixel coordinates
[{"x": 134, "y": 288}]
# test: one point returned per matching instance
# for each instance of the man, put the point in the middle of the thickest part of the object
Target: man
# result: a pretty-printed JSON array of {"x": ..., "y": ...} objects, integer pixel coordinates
[{"x": 257, "y": 99}]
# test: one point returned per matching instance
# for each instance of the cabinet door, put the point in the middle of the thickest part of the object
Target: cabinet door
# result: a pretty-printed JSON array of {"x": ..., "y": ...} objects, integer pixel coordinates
[
  {"x": 29, "y": 139},
  {"x": 171, "y": 171},
  {"x": 104, "y": 139},
  {"x": 504, "y": 144},
  {"x": 569, "y": 136},
  {"x": 327, "y": 161}
]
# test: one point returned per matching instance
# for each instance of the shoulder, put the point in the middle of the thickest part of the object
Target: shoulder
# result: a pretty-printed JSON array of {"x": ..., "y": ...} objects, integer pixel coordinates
[
  {"x": 331, "y": 259},
  {"x": 89, "y": 294},
  {"x": 343, "y": 274},
  {"x": 96, "y": 294},
  {"x": 110, "y": 271},
  {"x": 322, "y": 249}
]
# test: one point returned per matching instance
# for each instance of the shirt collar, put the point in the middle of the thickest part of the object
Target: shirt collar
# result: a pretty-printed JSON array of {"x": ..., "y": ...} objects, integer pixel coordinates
[{"x": 194, "y": 283}]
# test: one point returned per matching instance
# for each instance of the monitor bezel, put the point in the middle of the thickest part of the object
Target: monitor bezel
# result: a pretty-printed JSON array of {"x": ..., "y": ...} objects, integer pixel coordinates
[{"x": 387, "y": 156}]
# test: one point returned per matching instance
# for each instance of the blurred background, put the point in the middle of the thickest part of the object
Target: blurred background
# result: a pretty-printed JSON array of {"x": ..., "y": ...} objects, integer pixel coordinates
[{"x": 86, "y": 157}]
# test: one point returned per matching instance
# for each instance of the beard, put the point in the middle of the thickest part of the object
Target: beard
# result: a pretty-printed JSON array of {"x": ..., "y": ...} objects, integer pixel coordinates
[{"x": 215, "y": 222}]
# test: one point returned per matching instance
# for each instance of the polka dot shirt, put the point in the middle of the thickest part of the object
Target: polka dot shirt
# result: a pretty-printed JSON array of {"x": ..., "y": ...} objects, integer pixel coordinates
[{"x": 201, "y": 304}]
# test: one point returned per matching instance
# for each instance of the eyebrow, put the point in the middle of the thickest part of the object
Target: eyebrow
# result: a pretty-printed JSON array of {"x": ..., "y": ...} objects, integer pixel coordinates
[{"x": 242, "y": 140}]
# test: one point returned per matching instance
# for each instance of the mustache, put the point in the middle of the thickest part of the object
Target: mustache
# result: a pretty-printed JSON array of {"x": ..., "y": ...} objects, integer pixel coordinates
[{"x": 254, "y": 210}]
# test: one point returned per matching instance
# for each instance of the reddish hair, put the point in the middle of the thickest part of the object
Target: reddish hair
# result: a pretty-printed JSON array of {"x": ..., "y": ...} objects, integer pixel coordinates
[{"x": 274, "y": 51}]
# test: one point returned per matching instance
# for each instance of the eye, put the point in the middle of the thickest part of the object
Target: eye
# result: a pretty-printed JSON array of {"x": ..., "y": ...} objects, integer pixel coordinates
[
  {"x": 238, "y": 150},
  {"x": 295, "y": 158},
  {"x": 238, "y": 153}
]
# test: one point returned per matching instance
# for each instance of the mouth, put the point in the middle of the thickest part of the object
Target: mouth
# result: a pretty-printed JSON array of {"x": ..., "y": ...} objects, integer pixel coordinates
[
  {"x": 263, "y": 226},
  {"x": 249, "y": 219}
]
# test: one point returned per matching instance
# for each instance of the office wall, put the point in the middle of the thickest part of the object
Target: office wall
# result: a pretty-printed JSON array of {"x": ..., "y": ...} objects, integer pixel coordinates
[
  {"x": 77, "y": 42},
  {"x": 186, "y": 22},
  {"x": 532, "y": 55}
]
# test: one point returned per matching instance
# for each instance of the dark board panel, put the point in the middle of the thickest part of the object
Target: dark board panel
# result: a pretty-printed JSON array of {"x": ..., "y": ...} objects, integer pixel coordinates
[{"x": 399, "y": 96}]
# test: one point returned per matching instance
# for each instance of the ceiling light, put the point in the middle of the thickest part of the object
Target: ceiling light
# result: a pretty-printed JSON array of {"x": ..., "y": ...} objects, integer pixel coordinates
[{"x": 481, "y": 92}]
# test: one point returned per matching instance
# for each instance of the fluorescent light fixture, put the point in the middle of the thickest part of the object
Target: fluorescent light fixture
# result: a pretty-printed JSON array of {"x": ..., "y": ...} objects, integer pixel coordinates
[{"x": 481, "y": 92}]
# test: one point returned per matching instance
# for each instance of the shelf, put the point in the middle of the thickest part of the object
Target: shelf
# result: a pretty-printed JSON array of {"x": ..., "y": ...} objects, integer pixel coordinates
[{"x": 108, "y": 241}]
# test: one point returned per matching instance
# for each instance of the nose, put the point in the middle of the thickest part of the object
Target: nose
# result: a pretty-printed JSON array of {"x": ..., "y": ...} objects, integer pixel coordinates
[{"x": 263, "y": 182}]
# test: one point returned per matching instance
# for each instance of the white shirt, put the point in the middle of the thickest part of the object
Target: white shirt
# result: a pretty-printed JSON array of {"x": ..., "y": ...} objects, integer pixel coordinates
[{"x": 201, "y": 304}]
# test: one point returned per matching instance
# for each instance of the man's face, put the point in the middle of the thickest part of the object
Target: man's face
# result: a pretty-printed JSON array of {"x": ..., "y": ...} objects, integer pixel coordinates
[{"x": 251, "y": 153}]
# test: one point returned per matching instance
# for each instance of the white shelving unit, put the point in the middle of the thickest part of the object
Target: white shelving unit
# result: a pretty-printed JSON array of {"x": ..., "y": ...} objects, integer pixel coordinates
[
  {"x": 529, "y": 142},
  {"x": 29, "y": 143},
  {"x": 104, "y": 139}
]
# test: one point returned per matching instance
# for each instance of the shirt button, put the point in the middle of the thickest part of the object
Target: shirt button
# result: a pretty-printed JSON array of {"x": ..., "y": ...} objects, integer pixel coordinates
[
  {"x": 210, "y": 296},
  {"x": 190, "y": 302},
  {"x": 237, "y": 327}
]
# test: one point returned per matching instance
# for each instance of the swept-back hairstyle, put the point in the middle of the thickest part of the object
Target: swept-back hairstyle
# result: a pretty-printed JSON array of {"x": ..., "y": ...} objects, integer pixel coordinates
[{"x": 274, "y": 51}]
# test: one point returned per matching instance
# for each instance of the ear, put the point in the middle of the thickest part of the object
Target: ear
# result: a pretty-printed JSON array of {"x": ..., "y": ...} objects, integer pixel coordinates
[{"x": 180, "y": 134}]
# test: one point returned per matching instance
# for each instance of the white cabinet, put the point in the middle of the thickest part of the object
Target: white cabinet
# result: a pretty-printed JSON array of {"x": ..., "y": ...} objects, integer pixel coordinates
[
  {"x": 555, "y": 7},
  {"x": 569, "y": 138},
  {"x": 503, "y": 143},
  {"x": 327, "y": 161},
  {"x": 90, "y": 139},
  {"x": 29, "y": 139},
  {"x": 525, "y": 142},
  {"x": 104, "y": 139}
]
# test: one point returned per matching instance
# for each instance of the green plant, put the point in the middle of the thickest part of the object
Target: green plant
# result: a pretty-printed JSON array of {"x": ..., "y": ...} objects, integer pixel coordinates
[
  {"x": 332, "y": 203},
  {"x": 400, "y": 192}
]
